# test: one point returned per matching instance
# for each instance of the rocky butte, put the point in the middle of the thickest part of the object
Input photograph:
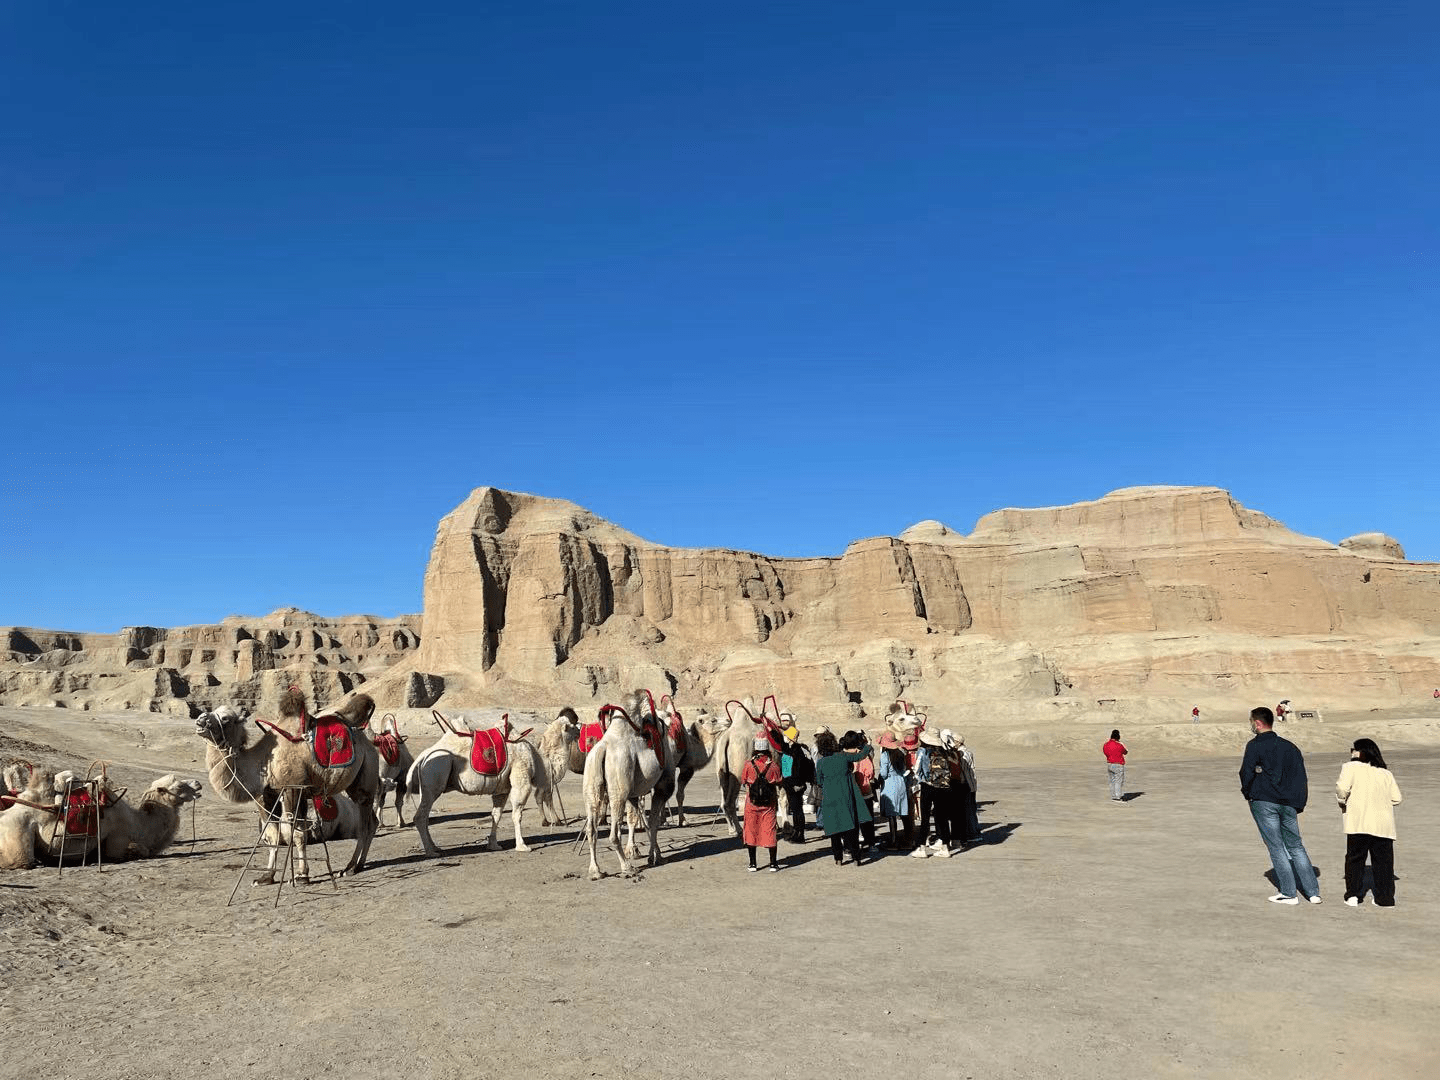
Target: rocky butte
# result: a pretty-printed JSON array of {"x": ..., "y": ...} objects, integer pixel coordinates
[
  {"x": 1144, "y": 601},
  {"x": 1149, "y": 598}
]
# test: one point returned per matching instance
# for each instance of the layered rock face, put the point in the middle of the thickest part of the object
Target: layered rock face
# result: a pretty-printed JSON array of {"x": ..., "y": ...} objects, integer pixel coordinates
[
  {"x": 246, "y": 662},
  {"x": 1146, "y": 594}
]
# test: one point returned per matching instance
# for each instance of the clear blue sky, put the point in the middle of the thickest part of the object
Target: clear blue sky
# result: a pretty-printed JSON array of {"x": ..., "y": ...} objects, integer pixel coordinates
[{"x": 281, "y": 283}]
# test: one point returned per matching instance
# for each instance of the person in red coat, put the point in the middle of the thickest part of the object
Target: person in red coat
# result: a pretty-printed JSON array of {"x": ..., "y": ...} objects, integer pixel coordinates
[{"x": 762, "y": 782}]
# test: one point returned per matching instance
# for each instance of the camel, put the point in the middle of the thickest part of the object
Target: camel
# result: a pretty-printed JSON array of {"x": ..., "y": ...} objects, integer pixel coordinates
[
  {"x": 447, "y": 766},
  {"x": 29, "y": 821},
  {"x": 128, "y": 832},
  {"x": 560, "y": 748},
  {"x": 701, "y": 737},
  {"x": 335, "y": 819},
  {"x": 395, "y": 763},
  {"x": 633, "y": 759},
  {"x": 237, "y": 759},
  {"x": 295, "y": 772}
]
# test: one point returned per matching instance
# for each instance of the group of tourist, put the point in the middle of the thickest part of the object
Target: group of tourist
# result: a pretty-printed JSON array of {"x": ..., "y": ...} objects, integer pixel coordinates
[
  {"x": 914, "y": 783},
  {"x": 1274, "y": 783}
]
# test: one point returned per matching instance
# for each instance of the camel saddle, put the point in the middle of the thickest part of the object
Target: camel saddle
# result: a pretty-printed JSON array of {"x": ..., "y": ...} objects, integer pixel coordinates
[
  {"x": 326, "y": 808},
  {"x": 590, "y": 734},
  {"x": 389, "y": 747},
  {"x": 331, "y": 742},
  {"x": 487, "y": 751},
  {"x": 82, "y": 815}
]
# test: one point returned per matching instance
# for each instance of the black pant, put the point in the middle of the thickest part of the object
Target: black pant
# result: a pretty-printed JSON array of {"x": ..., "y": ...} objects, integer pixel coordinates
[
  {"x": 933, "y": 798},
  {"x": 1381, "y": 850},
  {"x": 851, "y": 839},
  {"x": 962, "y": 813},
  {"x": 796, "y": 795},
  {"x": 751, "y": 849}
]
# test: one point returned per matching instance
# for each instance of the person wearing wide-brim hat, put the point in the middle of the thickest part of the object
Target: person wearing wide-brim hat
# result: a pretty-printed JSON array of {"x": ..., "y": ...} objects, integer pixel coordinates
[
  {"x": 965, "y": 821},
  {"x": 759, "y": 827},
  {"x": 932, "y": 766}
]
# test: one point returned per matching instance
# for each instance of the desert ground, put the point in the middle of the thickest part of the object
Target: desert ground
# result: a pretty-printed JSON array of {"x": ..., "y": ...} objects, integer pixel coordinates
[{"x": 1084, "y": 939}]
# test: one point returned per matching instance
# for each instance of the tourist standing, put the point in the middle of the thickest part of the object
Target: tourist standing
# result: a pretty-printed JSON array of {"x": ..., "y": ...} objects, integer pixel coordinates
[
  {"x": 1368, "y": 796},
  {"x": 1115, "y": 752},
  {"x": 1272, "y": 779},
  {"x": 842, "y": 811},
  {"x": 798, "y": 772},
  {"x": 965, "y": 822},
  {"x": 1195, "y": 715},
  {"x": 865, "y": 780},
  {"x": 932, "y": 766},
  {"x": 892, "y": 773},
  {"x": 761, "y": 780}
]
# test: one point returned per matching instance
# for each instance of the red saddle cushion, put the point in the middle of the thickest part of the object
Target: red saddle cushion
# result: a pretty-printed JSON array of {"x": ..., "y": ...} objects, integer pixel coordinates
[
  {"x": 81, "y": 817},
  {"x": 326, "y": 807},
  {"x": 590, "y": 734},
  {"x": 487, "y": 752},
  {"x": 389, "y": 747},
  {"x": 332, "y": 744}
]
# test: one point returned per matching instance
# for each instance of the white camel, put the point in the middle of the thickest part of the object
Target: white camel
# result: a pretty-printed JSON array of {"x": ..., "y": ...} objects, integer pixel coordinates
[
  {"x": 633, "y": 759},
  {"x": 560, "y": 748},
  {"x": 140, "y": 832},
  {"x": 693, "y": 745},
  {"x": 449, "y": 766},
  {"x": 396, "y": 761}
]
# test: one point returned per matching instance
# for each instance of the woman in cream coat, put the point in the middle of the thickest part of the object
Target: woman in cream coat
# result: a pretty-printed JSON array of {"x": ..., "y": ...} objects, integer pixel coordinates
[{"x": 1368, "y": 796}]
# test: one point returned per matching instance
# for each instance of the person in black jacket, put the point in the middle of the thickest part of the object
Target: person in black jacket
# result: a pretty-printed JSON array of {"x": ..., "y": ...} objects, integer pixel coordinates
[{"x": 1272, "y": 778}]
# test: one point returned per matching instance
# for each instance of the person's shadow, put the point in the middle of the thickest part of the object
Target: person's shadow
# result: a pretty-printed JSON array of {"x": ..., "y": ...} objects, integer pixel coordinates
[
  {"x": 996, "y": 834},
  {"x": 1131, "y": 795}
]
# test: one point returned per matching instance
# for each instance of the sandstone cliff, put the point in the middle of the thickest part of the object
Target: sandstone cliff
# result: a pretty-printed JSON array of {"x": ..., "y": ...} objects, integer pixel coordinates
[
  {"x": 240, "y": 661},
  {"x": 1150, "y": 593}
]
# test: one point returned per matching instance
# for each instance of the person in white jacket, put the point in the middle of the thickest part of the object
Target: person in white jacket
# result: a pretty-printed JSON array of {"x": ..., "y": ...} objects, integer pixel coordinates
[{"x": 1368, "y": 796}]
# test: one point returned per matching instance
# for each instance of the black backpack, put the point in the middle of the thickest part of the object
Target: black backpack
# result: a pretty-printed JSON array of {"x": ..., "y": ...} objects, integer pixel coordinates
[{"x": 761, "y": 792}]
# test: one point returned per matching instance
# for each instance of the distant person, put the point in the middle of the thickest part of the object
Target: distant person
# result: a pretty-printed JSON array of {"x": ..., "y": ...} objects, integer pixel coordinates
[
  {"x": 1280, "y": 711},
  {"x": 1368, "y": 796},
  {"x": 1272, "y": 779},
  {"x": 842, "y": 811},
  {"x": 1115, "y": 752},
  {"x": 762, "y": 782},
  {"x": 1195, "y": 715}
]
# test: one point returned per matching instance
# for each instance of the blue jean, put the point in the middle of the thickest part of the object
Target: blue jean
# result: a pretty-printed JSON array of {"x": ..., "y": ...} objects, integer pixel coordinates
[{"x": 1280, "y": 829}]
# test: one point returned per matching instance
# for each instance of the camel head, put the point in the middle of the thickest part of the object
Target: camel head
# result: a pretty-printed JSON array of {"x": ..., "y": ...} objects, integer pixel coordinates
[
  {"x": 570, "y": 722},
  {"x": 223, "y": 726},
  {"x": 40, "y": 786},
  {"x": 292, "y": 703},
  {"x": 708, "y": 729},
  {"x": 170, "y": 790},
  {"x": 357, "y": 711}
]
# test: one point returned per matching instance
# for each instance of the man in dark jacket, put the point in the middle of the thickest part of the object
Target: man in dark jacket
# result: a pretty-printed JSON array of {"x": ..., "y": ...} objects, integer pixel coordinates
[{"x": 1272, "y": 778}]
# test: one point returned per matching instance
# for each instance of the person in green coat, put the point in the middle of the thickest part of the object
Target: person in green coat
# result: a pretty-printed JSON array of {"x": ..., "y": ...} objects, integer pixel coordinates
[{"x": 842, "y": 810}]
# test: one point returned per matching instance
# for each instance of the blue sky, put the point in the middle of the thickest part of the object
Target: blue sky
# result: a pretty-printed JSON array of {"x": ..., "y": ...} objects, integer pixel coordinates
[{"x": 280, "y": 284}]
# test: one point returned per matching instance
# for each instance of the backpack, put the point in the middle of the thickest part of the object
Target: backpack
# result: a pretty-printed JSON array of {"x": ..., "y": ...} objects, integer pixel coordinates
[
  {"x": 939, "y": 772},
  {"x": 761, "y": 793}
]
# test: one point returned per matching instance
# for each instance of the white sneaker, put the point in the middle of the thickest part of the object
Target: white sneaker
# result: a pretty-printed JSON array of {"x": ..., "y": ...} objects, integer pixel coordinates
[
  {"x": 942, "y": 852},
  {"x": 1352, "y": 901},
  {"x": 921, "y": 852},
  {"x": 1281, "y": 898},
  {"x": 1316, "y": 900}
]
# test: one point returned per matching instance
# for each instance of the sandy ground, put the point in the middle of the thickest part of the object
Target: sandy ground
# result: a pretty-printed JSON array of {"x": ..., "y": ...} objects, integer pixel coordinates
[{"x": 1085, "y": 939}]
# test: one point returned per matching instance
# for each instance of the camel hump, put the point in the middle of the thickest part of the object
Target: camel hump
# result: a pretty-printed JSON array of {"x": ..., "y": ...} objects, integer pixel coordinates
[
  {"x": 356, "y": 712},
  {"x": 292, "y": 703},
  {"x": 567, "y": 713}
]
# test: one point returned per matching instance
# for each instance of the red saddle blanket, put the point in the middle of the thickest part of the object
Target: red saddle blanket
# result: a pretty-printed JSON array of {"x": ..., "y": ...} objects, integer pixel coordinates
[
  {"x": 326, "y": 807},
  {"x": 487, "y": 752},
  {"x": 389, "y": 747},
  {"x": 82, "y": 817},
  {"x": 677, "y": 732},
  {"x": 590, "y": 734},
  {"x": 331, "y": 743}
]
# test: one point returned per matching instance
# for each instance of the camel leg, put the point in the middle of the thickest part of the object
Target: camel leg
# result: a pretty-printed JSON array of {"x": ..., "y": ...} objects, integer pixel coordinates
[
  {"x": 360, "y": 794},
  {"x": 657, "y": 810},
  {"x": 617, "y": 819},
  {"x": 522, "y": 786},
  {"x": 292, "y": 818},
  {"x": 632, "y": 810},
  {"x": 591, "y": 837},
  {"x": 431, "y": 775},
  {"x": 681, "y": 779},
  {"x": 497, "y": 808},
  {"x": 400, "y": 799},
  {"x": 729, "y": 796}
]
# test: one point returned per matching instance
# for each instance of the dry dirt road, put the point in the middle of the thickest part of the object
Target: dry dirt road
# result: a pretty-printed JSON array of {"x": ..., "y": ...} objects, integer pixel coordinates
[{"x": 1086, "y": 939}]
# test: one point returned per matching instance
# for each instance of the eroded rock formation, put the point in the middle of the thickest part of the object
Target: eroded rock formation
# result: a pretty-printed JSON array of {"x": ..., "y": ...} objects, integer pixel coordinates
[
  {"x": 1157, "y": 592},
  {"x": 239, "y": 661}
]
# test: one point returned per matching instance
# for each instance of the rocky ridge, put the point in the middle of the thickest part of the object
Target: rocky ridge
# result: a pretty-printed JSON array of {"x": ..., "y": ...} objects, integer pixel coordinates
[{"x": 241, "y": 661}]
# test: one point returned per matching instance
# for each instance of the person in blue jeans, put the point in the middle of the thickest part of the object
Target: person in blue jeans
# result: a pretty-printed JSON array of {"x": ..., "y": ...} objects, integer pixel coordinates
[{"x": 1272, "y": 779}]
